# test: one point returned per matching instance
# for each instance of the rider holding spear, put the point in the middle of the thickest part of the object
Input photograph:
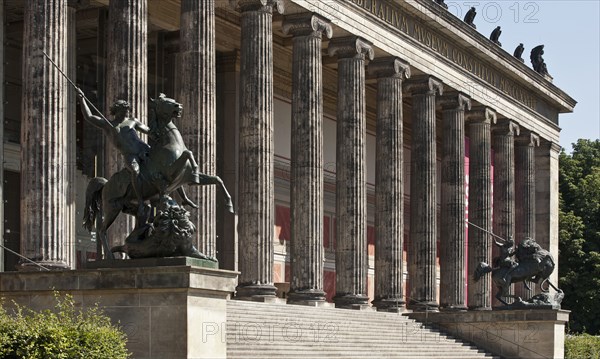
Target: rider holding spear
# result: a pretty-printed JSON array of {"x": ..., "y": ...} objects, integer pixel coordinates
[{"x": 122, "y": 133}]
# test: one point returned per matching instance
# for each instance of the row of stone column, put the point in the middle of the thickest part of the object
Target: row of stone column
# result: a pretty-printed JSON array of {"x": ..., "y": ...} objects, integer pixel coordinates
[
  {"x": 44, "y": 230},
  {"x": 47, "y": 131},
  {"x": 256, "y": 197}
]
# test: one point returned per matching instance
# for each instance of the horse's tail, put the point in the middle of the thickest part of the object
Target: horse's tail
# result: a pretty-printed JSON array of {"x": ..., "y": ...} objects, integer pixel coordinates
[
  {"x": 482, "y": 269},
  {"x": 93, "y": 202}
]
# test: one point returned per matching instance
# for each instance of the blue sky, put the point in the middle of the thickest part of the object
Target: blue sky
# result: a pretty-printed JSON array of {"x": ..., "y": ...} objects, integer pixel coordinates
[{"x": 570, "y": 32}]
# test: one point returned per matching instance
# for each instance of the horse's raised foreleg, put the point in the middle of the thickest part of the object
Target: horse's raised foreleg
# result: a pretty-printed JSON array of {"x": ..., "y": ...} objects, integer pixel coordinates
[
  {"x": 208, "y": 179},
  {"x": 179, "y": 167}
]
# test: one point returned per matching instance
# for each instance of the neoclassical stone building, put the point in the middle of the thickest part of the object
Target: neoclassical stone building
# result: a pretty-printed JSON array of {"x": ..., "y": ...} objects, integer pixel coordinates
[{"x": 353, "y": 135}]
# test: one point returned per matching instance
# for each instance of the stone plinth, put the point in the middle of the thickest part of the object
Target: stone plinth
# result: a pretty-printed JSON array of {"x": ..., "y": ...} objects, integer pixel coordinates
[
  {"x": 176, "y": 311},
  {"x": 531, "y": 333}
]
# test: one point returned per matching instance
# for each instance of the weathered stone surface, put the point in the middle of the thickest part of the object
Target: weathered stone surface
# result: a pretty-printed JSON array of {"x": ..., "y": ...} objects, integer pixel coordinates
[
  {"x": 2, "y": 60},
  {"x": 513, "y": 333},
  {"x": 71, "y": 219},
  {"x": 197, "y": 92},
  {"x": 389, "y": 184},
  {"x": 351, "y": 197},
  {"x": 480, "y": 120},
  {"x": 525, "y": 146},
  {"x": 503, "y": 140},
  {"x": 152, "y": 262},
  {"x": 546, "y": 199},
  {"x": 228, "y": 111},
  {"x": 44, "y": 134},
  {"x": 167, "y": 312},
  {"x": 126, "y": 79},
  {"x": 423, "y": 217},
  {"x": 453, "y": 206},
  {"x": 256, "y": 200},
  {"x": 307, "y": 255}
]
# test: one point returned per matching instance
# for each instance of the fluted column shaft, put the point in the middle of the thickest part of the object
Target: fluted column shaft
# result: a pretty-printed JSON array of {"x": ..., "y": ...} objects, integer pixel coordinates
[
  {"x": 389, "y": 184},
  {"x": 423, "y": 217},
  {"x": 307, "y": 254},
  {"x": 351, "y": 198},
  {"x": 2, "y": 266},
  {"x": 126, "y": 79},
  {"x": 44, "y": 134},
  {"x": 71, "y": 216},
  {"x": 256, "y": 201},
  {"x": 525, "y": 194},
  {"x": 198, "y": 124},
  {"x": 504, "y": 177},
  {"x": 480, "y": 204},
  {"x": 504, "y": 183},
  {"x": 453, "y": 210},
  {"x": 547, "y": 199}
]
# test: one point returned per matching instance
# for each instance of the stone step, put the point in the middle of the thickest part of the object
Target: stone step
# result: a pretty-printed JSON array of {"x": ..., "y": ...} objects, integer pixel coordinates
[
  {"x": 283, "y": 353},
  {"x": 349, "y": 356},
  {"x": 358, "y": 346},
  {"x": 272, "y": 330}
]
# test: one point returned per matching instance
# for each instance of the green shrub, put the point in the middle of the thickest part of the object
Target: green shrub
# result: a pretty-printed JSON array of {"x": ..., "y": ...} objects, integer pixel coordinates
[
  {"x": 582, "y": 346},
  {"x": 65, "y": 333}
]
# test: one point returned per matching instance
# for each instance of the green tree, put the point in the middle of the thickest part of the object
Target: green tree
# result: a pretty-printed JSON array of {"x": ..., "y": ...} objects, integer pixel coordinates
[{"x": 579, "y": 218}]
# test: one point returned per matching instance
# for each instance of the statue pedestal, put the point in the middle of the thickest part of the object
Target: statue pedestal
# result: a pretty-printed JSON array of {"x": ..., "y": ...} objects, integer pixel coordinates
[
  {"x": 510, "y": 333},
  {"x": 167, "y": 311}
]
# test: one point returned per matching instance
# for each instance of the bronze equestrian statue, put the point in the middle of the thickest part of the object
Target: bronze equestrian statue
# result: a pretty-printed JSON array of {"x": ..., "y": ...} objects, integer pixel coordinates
[
  {"x": 532, "y": 263},
  {"x": 167, "y": 167}
]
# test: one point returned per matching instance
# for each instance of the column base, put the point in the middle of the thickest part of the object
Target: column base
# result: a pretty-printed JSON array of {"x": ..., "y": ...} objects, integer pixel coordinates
[
  {"x": 257, "y": 293},
  {"x": 311, "y": 297},
  {"x": 394, "y": 305},
  {"x": 351, "y": 301},
  {"x": 423, "y": 306}
]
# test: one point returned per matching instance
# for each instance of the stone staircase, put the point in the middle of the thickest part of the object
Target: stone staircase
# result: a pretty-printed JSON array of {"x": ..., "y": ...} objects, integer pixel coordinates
[{"x": 267, "y": 330}]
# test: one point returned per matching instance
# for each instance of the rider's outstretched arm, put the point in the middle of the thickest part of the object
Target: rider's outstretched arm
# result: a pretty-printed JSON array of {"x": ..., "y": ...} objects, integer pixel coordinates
[{"x": 87, "y": 114}]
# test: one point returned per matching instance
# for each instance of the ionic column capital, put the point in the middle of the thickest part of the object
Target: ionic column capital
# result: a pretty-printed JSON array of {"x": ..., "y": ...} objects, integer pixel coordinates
[
  {"x": 528, "y": 138},
  {"x": 351, "y": 47},
  {"x": 455, "y": 100},
  {"x": 259, "y": 5},
  {"x": 425, "y": 84},
  {"x": 554, "y": 147},
  {"x": 390, "y": 66},
  {"x": 506, "y": 127},
  {"x": 307, "y": 24},
  {"x": 481, "y": 114}
]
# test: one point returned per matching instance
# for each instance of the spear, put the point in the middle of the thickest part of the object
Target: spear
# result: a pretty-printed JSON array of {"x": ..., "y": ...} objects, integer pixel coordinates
[
  {"x": 485, "y": 230},
  {"x": 76, "y": 88}
]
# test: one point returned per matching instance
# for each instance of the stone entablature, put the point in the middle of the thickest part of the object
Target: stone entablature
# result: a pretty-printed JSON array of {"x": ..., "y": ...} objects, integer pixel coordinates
[{"x": 511, "y": 88}]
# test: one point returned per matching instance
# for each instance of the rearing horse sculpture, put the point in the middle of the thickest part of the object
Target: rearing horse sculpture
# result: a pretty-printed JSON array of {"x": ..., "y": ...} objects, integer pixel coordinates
[
  {"x": 533, "y": 264},
  {"x": 169, "y": 166}
]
